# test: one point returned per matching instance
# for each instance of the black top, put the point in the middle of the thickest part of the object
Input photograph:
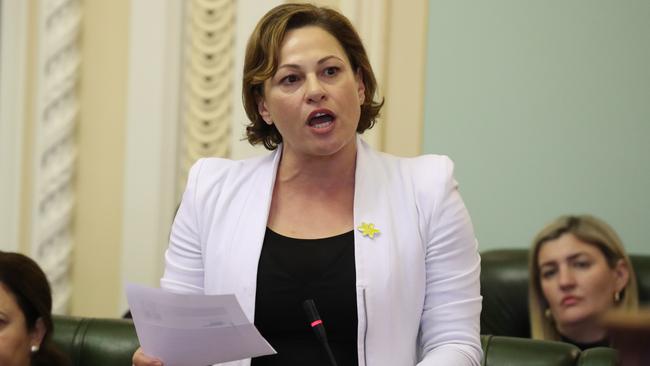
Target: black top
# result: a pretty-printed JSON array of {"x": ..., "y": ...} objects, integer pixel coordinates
[
  {"x": 293, "y": 270},
  {"x": 583, "y": 346}
]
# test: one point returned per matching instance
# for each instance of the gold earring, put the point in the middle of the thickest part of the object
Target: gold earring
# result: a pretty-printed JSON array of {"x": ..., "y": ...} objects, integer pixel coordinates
[
  {"x": 617, "y": 296},
  {"x": 548, "y": 314}
]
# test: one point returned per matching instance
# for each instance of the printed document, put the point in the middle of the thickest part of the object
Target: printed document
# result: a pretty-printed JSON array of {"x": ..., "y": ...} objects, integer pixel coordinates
[{"x": 193, "y": 329}]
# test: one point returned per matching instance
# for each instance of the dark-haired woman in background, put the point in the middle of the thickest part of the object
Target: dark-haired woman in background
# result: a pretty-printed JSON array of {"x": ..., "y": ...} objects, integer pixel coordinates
[
  {"x": 578, "y": 272},
  {"x": 25, "y": 314}
]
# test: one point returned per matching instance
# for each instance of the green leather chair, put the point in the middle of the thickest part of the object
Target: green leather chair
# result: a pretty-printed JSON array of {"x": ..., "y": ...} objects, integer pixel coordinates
[
  {"x": 504, "y": 286},
  {"x": 514, "y": 351},
  {"x": 111, "y": 342},
  {"x": 95, "y": 342}
]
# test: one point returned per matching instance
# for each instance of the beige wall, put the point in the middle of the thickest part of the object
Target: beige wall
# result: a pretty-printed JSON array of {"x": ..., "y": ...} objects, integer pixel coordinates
[
  {"x": 403, "y": 112},
  {"x": 28, "y": 132},
  {"x": 100, "y": 143},
  {"x": 98, "y": 223}
]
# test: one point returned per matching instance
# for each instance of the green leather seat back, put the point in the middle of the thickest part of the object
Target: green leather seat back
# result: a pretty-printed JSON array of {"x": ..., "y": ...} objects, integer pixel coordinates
[
  {"x": 599, "y": 356},
  {"x": 112, "y": 342},
  {"x": 96, "y": 342},
  {"x": 641, "y": 265},
  {"x": 510, "y": 351},
  {"x": 504, "y": 286}
]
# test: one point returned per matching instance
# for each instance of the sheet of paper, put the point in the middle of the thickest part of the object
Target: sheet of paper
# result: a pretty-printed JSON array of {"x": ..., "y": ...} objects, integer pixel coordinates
[{"x": 193, "y": 329}]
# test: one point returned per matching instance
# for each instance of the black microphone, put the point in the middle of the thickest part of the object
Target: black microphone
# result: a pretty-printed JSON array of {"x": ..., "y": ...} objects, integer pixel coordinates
[{"x": 318, "y": 327}]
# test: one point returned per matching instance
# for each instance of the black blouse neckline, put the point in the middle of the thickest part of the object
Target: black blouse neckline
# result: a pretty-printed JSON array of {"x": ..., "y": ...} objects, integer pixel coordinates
[{"x": 583, "y": 346}]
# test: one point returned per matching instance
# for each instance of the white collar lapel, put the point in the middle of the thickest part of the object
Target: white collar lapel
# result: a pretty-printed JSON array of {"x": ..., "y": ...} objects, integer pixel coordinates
[
  {"x": 370, "y": 208},
  {"x": 250, "y": 228}
]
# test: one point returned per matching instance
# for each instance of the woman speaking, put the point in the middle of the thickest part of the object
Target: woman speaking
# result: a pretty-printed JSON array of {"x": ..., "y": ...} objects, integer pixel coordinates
[{"x": 383, "y": 245}]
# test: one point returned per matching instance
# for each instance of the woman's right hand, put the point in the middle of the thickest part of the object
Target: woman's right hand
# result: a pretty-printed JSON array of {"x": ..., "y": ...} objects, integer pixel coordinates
[{"x": 140, "y": 359}]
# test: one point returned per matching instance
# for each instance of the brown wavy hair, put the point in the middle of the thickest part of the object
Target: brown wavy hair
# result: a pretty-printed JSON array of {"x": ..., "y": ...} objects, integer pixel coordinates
[{"x": 263, "y": 55}]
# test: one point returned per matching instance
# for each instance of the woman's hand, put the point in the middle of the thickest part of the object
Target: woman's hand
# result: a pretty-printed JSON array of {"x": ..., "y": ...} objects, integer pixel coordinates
[{"x": 140, "y": 359}]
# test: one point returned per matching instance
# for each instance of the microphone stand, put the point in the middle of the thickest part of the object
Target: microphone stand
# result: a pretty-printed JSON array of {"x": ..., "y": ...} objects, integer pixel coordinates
[{"x": 318, "y": 327}]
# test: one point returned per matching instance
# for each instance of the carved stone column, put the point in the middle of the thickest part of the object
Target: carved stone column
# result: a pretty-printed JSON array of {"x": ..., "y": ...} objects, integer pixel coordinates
[
  {"x": 54, "y": 150},
  {"x": 208, "y": 87}
]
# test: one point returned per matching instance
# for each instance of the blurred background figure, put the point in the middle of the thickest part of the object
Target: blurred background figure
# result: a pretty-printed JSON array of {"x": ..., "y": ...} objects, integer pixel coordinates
[
  {"x": 25, "y": 314},
  {"x": 578, "y": 271}
]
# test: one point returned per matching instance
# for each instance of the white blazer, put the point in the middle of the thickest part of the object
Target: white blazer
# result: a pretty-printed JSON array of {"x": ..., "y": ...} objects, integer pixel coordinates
[{"x": 418, "y": 298}]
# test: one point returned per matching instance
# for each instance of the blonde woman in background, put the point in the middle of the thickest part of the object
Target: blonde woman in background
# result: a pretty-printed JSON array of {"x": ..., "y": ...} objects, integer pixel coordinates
[{"x": 578, "y": 272}]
